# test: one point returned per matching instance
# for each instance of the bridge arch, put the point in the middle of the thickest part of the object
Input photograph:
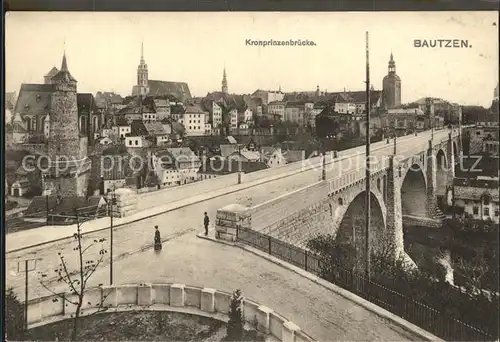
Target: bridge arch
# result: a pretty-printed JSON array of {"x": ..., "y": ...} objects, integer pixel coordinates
[
  {"x": 442, "y": 165},
  {"x": 414, "y": 192},
  {"x": 351, "y": 230}
]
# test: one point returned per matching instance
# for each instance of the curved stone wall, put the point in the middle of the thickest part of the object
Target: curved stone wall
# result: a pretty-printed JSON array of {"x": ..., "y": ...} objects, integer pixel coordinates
[{"x": 166, "y": 297}]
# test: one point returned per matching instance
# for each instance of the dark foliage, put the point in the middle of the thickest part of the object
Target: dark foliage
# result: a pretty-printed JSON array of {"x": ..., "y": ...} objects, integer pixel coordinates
[
  {"x": 14, "y": 317},
  {"x": 236, "y": 323},
  {"x": 115, "y": 150},
  {"x": 480, "y": 310}
]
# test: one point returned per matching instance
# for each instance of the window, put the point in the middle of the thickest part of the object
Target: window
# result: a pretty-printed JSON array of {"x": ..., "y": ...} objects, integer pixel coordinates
[
  {"x": 475, "y": 210},
  {"x": 136, "y": 142},
  {"x": 130, "y": 142},
  {"x": 486, "y": 211},
  {"x": 497, "y": 213}
]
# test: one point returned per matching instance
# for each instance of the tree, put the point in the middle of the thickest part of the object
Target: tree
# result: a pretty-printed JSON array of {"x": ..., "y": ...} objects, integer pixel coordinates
[
  {"x": 77, "y": 280},
  {"x": 236, "y": 323},
  {"x": 115, "y": 150},
  {"x": 337, "y": 258},
  {"x": 14, "y": 316}
]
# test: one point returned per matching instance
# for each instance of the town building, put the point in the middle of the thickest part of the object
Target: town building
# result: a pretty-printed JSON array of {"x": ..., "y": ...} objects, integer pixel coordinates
[
  {"x": 10, "y": 100},
  {"x": 277, "y": 108},
  {"x": 176, "y": 166},
  {"x": 121, "y": 130},
  {"x": 477, "y": 198},
  {"x": 272, "y": 156},
  {"x": 233, "y": 119},
  {"x": 295, "y": 112},
  {"x": 344, "y": 104},
  {"x": 484, "y": 138},
  {"x": 268, "y": 96},
  {"x": 391, "y": 89},
  {"x": 243, "y": 155},
  {"x": 20, "y": 187},
  {"x": 406, "y": 119},
  {"x": 194, "y": 121},
  {"x": 245, "y": 115}
]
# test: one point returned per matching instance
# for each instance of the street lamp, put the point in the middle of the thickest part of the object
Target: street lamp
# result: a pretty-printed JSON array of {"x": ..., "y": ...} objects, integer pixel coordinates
[
  {"x": 395, "y": 140},
  {"x": 323, "y": 171},
  {"x": 111, "y": 203}
]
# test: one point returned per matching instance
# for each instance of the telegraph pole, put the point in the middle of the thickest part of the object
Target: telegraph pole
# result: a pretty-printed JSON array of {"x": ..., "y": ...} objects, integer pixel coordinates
[
  {"x": 368, "y": 193},
  {"x": 27, "y": 269}
]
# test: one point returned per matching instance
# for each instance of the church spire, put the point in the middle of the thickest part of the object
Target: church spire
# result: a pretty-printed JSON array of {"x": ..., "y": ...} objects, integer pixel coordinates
[
  {"x": 142, "y": 52},
  {"x": 224, "y": 81},
  {"x": 64, "y": 66},
  {"x": 392, "y": 65}
]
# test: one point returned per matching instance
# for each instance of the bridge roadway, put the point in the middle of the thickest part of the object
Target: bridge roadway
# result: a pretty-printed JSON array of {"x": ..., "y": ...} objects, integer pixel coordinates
[
  {"x": 257, "y": 187},
  {"x": 132, "y": 242},
  {"x": 135, "y": 236},
  {"x": 406, "y": 144}
]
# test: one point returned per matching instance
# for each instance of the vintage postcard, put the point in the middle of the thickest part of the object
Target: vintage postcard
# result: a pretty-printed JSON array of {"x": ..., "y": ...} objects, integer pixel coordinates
[{"x": 251, "y": 176}]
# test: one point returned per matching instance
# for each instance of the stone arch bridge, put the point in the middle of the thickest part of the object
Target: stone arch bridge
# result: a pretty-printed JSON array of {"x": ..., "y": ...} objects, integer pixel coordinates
[{"x": 404, "y": 185}]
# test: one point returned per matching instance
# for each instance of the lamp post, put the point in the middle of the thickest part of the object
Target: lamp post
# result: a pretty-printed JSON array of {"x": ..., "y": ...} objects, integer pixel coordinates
[
  {"x": 368, "y": 165},
  {"x": 111, "y": 202},
  {"x": 395, "y": 141},
  {"x": 323, "y": 167}
]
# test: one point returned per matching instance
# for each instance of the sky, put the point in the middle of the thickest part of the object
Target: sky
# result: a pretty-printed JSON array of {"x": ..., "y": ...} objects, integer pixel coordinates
[{"x": 103, "y": 51}]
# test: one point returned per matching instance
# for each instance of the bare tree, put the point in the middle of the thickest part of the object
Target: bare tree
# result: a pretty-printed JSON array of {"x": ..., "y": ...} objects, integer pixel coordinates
[
  {"x": 474, "y": 271},
  {"x": 77, "y": 280}
]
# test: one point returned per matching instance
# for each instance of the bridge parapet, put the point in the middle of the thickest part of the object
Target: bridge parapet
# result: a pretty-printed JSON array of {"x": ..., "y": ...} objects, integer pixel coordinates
[{"x": 165, "y": 297}]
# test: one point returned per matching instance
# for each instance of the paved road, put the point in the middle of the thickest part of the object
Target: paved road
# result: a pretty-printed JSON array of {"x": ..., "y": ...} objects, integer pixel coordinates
[
  {"x": 155, "y": 198},
  {"x": 321, "y": 313},
  {"x": 136, "y": 236}
]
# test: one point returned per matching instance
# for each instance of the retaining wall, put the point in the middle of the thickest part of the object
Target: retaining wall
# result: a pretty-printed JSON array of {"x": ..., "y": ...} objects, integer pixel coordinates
[{"x": 166, "y": 297}]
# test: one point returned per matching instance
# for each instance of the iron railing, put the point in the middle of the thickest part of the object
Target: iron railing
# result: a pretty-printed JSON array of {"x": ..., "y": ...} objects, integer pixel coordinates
[{"x": 427, "y": 318}]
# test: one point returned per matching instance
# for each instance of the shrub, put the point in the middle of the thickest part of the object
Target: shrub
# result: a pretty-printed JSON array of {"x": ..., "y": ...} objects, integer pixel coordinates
[
  {"x": 14, "y": 317},
  {"x": 479, "y": 309},
  {"x": 236, "y": 323}
]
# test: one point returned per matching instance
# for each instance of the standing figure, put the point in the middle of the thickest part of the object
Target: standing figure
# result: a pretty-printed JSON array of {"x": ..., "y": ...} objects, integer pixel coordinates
[
  {"x": 206, "y": 222},
  {"x": 158, "y": 244}
]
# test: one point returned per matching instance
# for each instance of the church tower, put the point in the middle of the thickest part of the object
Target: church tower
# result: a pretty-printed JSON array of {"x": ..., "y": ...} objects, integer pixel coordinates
[
  {"x": 224, "y": 82},
  {"x": 67, "y": 174},
  {"x": 391, "y": 86},
  {"x": 142, "y": 87}
]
